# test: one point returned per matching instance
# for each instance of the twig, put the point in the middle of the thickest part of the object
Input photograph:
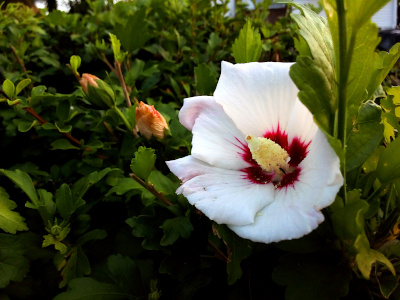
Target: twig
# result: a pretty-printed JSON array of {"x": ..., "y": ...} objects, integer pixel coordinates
[
  {"x": 42, "y": 121},
  {"x": 122, "y": 81},
  {"x": 76, "y": 74},
  {"x": 151, "y": 189},
  {"x": 20, "y": 62},
  {"x": 103, "y": 56},
  {"x": 218, "y": 253}
]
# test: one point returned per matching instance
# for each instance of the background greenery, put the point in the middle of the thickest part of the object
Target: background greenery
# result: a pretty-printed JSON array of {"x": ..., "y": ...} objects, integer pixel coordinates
[{"x": 87, "y": 209}]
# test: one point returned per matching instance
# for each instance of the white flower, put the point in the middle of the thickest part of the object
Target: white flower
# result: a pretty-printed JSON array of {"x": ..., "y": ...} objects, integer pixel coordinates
[{"x": 259, "y": 163}]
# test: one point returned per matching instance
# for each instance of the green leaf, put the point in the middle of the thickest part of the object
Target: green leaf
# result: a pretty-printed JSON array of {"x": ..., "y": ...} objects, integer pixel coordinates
[
  {"x": 96, "y": 234},
  {"x": 91, "y": 289},
  {"x": 125, "y": 273},
  {"x": 389, "y": 163},
  {"x": 143, "y": 162},
  {"x": 238, "y": 250},
  {"x": 248, "y": 46},
  {"x": 296, "y": 272},
  {"x": 206, "y": 81},
  {"x": 9, "y": 89},
  {"x": 162, "y": 183},
  {"x": 348, "y": 223},
  {"x": 24, "y": 182},
  {"x": 13, "y": 265},
  {"x": 10, "y": 221},
  {"x": 64, "y": 202},
  {"x": 125, "y": 185},
  {"x": 134, "y": 34},
  {"x": 21, "y": 85},
  {"x": 313, "y": 72},
  {"x": 75, "y": 62},
  {"x": 174, "y": 229},
  {"x": 80, "y": 187},
  {"x": 366, "y": 135},
  {"x": 62, "y": 144},
  {"x": 116, "y": 46},
  {"x": 25, "y": 126},
  {"x": 366, "y": 257},
  {"x": 147, "y": 227},
  {"x": 388, "y": 284},
  {"x": 63, "y": 110},
  {"x": 389, "y": 117},
  {"x": 56, "y": 240}
]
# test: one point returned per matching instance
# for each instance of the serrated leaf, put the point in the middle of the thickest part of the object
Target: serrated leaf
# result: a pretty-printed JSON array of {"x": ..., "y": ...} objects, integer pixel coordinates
[
  {"x": 62, "y": 144},
  {"x": 348, "y": 223},
  {"x": 366, "y": 135},
  {"x": 388, "y": 167},
  {"x": 91, "y": 289},
  {"x": 125, "y": 273},
  {"x": 9, "y": 89},
  {"x": 13, "y": 264},
  {"x": 134, "y": 34},
  {"x": 10, "y": 221},
  {"x": 238, "y": 250},
  {"x": 116, "y": 46},
  {"x": 248, "y": 46},
  {"x": 314, "y": 75},
  {"x": 174, "y": 229},
  {"x": 206, "y": 81},
  {"x": 50, "y": 239},
  {"x": 21, "y": 85},
  {"x": 143, "y": 162}
]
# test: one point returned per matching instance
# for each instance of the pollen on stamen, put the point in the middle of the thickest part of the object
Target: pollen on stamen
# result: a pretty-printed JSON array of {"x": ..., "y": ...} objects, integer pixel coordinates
[{"x": 269, "y": 155}]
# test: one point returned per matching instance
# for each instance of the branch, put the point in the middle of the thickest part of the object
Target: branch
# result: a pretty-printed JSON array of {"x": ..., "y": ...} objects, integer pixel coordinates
[
  {"x": 20, "y": 62},
  {"x": 122, "y": 81},
  {"x": 151, "y": 189}
]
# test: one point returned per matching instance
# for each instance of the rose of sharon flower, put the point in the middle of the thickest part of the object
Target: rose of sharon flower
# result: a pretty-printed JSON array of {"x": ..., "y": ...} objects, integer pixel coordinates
[
  {"x": 150, "y": 122},
  {"x": 259, "y": 163}
]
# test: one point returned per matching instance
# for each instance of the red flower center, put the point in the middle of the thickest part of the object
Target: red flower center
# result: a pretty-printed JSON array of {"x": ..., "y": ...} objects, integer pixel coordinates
[{"x": 297, "y": 151}]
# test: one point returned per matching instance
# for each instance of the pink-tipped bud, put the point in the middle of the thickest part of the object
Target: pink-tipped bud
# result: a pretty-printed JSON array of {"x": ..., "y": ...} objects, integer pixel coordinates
[
  {"x": 150, "y": 122},
  {"x": 88, "y": 79}
]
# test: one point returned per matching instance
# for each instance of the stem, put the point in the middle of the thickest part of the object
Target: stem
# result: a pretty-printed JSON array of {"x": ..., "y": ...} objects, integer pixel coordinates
[
  {"x": 20, "y": 62},
  {"x": 122, "y": 81},
  {"x": 345, "y": 54},
  {"x": 126, "y": 122},
  {"x": 151, "y": 189},
  {"x": 77, "y": 77},
  {"x": 103, "y": 56},
  {"x": 42, "y": 121}
]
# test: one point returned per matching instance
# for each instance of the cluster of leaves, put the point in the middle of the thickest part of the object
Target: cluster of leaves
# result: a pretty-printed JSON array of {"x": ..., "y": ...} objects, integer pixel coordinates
[{"x": 87, "y": 205}]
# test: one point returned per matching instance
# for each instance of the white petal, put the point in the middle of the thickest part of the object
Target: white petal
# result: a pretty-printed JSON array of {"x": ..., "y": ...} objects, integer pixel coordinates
[
  {"x": 284, "y": 219},
  {"x": 320, "y": 172},
  {"x": 295, "y": 211},
  {"x": 222, "y": 195},
  {"x": 216, "y": 139},
  {"x": 256, "y": 96},
  {"x": 301, "y": 123}
]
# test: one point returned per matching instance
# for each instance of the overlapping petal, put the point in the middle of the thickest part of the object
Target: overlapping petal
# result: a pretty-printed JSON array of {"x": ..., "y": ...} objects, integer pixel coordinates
[
  {"x": 216, "y": 139},
  {"x": 295, "y": 210},
  {"x": 256, "y": 96},
  {"x": 256, "y": 99},
  {"x": 223, "y": 195}
]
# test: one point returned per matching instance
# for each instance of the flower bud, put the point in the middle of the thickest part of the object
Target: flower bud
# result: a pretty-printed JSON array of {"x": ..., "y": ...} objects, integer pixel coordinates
[
  {"x": 97, "y": 92},
  {"x": 150, "y": 122}
]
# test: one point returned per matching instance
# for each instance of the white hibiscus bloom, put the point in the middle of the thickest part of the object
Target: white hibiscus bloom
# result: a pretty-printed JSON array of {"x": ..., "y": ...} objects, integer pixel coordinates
[{"x": 259, "y": 163}]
